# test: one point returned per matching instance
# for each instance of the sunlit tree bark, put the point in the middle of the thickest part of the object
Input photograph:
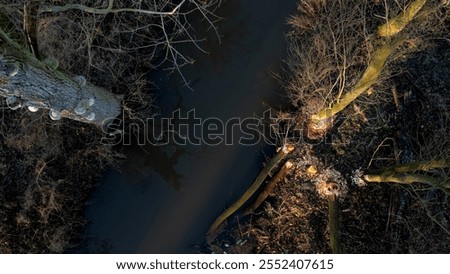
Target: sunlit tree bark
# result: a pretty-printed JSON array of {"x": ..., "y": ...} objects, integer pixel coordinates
[{"x": 26, "y": 82}]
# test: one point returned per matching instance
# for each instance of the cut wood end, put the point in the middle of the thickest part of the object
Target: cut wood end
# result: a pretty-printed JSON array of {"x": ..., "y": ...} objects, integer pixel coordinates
[
  {"x": 289, "y": 164},
  {"x": 328, "y": 189},
  {"x": 288, "y": 148},
  {"x": 311, "y": 170},
  {"x": 333, "y": 190},
  {"x": 317, "y": 128}
]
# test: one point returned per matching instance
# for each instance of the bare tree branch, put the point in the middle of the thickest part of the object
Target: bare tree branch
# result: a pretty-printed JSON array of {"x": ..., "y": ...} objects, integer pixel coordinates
[{"x": 109, "y": 9}]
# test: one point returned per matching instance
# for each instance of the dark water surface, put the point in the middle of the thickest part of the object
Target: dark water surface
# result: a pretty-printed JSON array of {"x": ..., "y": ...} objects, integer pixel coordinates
[{"x": 166, "y": 197}]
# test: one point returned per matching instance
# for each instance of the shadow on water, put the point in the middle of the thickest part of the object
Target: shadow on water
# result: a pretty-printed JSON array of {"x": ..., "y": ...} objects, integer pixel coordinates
[
  {"x": 143, "y": 161},
  {"x": 165, "y": 198}
]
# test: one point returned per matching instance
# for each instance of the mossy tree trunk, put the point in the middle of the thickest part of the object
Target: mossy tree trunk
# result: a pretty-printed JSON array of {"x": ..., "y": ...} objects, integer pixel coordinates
[
  {"x": 27, "y": 82},
  {"x": 320, "y": 121},
  {"x": 403, "y": 174},
  {"x": 398, "y": 23},
  {"x": 370, "y": 76}
]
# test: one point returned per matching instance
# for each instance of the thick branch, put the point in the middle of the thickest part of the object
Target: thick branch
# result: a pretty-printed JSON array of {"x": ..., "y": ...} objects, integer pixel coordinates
[
  {"x": 439, "y": 183},
  {"x": 407, "y": 179},
  {"x": 414, "y": 166},
  {"x": 398, "y": 23}
]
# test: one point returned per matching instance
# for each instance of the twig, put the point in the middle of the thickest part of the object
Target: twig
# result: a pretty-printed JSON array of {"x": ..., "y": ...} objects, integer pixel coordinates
[{"x": 109, "y": 9}]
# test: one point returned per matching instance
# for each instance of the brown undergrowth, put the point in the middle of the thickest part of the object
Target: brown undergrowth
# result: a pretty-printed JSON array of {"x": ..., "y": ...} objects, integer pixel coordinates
[
  {"x": 404, "y": 117},
  {"x": 47, "y": 171},
  {"x": 48, "y": 168}
]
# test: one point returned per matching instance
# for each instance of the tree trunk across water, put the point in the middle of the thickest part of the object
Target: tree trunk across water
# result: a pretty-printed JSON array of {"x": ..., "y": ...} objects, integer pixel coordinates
[{"x": 29, "y": 83}]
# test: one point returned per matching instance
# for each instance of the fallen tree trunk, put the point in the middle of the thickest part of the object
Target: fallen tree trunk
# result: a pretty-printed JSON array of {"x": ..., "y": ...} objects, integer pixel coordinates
[
  {"x": 269, "y": 187},
  {"x": 270, "y": 166},
  {"x": 27, "y": 82}
]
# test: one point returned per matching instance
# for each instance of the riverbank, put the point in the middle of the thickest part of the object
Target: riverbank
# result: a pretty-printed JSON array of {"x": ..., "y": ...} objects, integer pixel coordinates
[
  {"x": 49, "y": 168},
  {"x": 403, "y": 117}
]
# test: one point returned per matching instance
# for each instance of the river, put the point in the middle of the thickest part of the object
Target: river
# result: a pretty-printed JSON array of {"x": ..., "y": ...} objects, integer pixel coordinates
[{"x": 165, "y": 198}]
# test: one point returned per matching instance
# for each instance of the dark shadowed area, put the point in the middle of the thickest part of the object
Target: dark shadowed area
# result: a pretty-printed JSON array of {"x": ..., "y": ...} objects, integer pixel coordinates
[{"x": 165, "y": 198}]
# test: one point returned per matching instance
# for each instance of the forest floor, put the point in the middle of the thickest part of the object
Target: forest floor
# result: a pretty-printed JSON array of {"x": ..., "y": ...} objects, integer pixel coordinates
[
  {"x": 404, "y": 117},
  {"x": 49, "y": 168}
]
